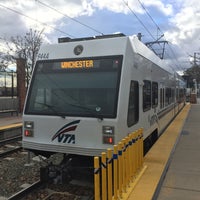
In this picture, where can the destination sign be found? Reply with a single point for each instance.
(77, 64)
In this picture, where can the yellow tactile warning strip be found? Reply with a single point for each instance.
(157, 158)
(11, 126)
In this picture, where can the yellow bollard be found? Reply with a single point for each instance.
(120, 166)
(103, 176)
(134, 154)
(120, 174)
(96, 179)
(124, 164)
(131, 154)
(137, 150)
(115, 178)
(142, 147)
(109, 164)
(130, 158)
(127, 162)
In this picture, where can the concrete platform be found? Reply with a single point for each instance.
(182, 181)
(10, 126)
(8, 120)
(157, 161)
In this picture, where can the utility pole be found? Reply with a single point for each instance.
(150, 44)
(21, 88)
(160, 44)
(196, 58)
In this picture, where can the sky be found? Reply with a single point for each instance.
(174, 21)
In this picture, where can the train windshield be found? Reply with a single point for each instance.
(83, 87)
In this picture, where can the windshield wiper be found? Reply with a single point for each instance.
(52, 108)
(90, 110)
(76, 103)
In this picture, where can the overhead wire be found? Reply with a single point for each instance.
(126, 3)
(71, 18)
(143, 7)
(85, 25)
(162, 34)
(44, 24)
(131, 10)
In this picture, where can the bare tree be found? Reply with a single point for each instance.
(25, 47)
(5, 61)
(191, 74)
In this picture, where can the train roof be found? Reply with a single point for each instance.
(141, 49)
(113, 44)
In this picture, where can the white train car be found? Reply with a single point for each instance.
(87, 94)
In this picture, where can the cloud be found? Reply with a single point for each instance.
(40, 14)
(178, 19)
(11, 23)
(117, 6)
(185, 26)
(121, 6)
(163, 7)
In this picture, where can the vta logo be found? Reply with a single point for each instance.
(61, 133)
(67, 138)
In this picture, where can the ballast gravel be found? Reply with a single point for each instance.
(16, 172)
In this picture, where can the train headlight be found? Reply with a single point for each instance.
(108, 135)
(28, 128)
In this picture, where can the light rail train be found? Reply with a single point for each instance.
(87, 94)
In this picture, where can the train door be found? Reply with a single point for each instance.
(133, 105)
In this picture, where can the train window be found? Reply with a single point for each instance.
(181, 95)
(173, 95)
(168, 96)
(177, 95)
(154, 94)
(86, 87)
(133, 105)
(161, 98)
(146, 95)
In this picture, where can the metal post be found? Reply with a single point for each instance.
(142, 146)
(134, 153)
(137, 151)
(127, 161)
(115, 161)
(120, 168)
(96, 179)
(103, 176)
(124, 165)
(12, 82)
(131, 155)
(109, 155)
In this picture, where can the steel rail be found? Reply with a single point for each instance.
(8, 140)
(26, 191)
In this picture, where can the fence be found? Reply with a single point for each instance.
(115, 170)
(8, 83)
(8, 104)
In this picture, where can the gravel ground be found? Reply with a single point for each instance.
(14, 173)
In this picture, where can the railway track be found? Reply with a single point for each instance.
(76, 189)
(44, 191)
(73, 190)
(10, 151)
(9, 146)
(10, 140)
(21, 194)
